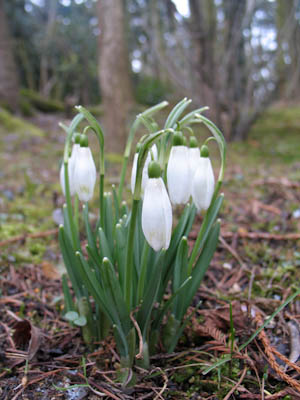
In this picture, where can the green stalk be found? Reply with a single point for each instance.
(142, 277)
(129, 254)
(76, 212)
(133, 129)
(101, 198)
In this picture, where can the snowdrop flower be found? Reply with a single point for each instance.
(157, 210)
(203, 183)
(84, 172)
(178, 172)
(153, 151)
(194, 156)
(71, 167)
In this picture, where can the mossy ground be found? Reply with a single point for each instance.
(258, 198)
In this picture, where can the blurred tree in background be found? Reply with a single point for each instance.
(237, 56)
(9, 84)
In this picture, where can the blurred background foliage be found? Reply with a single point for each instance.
(237, 56)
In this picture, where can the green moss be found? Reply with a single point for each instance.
(41, 103)
(11, 123)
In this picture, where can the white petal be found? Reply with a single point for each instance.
(84, 174)
(145, 170)
(157, 215)
(178, 175)
(133, 172)
(203, 184)
(70, 175)
(194, 157)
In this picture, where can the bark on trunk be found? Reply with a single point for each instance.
(9, 84)
(115, 83)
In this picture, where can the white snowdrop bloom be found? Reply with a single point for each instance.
(194, 157)
(178, 175)
(84, 174)
(145, 169)
(157, 214)
(203, 184)
(71, 166)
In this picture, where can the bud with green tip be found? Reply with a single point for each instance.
(157, 210)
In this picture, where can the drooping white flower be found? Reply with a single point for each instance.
(194, 157)
(71, 166)
(84, 174)
(178, 175)
(157, 214)
(145, 178)
(203, 184)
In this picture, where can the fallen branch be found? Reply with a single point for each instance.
(22, 238)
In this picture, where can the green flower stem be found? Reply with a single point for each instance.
(147, 113)
(101, 199)
(70, 131)
(142, 277)
(76, 212)
(95, 126)
(129, 254)
(126, 157)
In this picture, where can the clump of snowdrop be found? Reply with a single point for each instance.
(134, 256)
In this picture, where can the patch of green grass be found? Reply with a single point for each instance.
(10, 123)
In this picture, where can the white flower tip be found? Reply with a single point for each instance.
(78, 107)
(61, 226)
(118, 225)
(105, 259)
(65, 206)
(77, 253)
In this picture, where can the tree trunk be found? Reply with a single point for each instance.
(115, 83)
(9, 83)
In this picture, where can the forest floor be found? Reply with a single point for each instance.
(255, 269)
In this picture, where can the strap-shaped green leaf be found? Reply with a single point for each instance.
(70, 261)
(186, 120)
(112, 284)
(180, 270)
(201, 265)
(176, 112)
(69, 304)
(158, 319)
(109, 220)
(121, 252)
(90, 235)
(116, 203)
(103, 244)
(149, 299)
(207, 223)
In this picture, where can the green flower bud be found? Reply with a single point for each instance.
(84, 140)
(178, 139)
(193, 142)
(154, 170)
(204, 152)
(77, 138)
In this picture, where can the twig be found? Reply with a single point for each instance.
(231, 251)
(141, 347)
(236, 385)
(25, 236)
